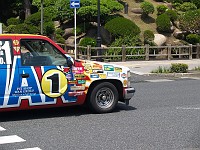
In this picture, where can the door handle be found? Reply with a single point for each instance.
(25, 75)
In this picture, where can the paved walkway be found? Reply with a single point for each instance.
(145, 67)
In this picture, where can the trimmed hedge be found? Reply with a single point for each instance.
(163, 23)
(122, 27)
(148, 37)
(88, 41)
(161, 9)
(193, 38)
(147, 8)
(179, 68)
(13, 21)
(172, 15)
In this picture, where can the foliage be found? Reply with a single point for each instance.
(172, 15)
(35, 19)
(88, 41)
(59, 31)
(161, 9)
(174, 68)
(193, 38)
(190, 21)
(49, 28)
(122, 27)
(148, 37)
(88, 9)
(179, 68)
(161, 69)
(196, 2)
(163, 23)
(23, 29)
(57, 9)
(60, 39)
(13, 21)
(10, 28)
(186, 6)
(147, 8)
(126, 41)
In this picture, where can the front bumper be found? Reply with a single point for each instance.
(129, 93)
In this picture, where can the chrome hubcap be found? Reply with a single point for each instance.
(104, 97)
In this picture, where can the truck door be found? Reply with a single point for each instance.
(9, 77)
(43, 73)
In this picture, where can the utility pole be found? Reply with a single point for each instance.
(42, 16)
(99, 52)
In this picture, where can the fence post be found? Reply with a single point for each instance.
(169, 51)
(147, 52)
(190, 51)
(65, 47)
(89, 52)
(126, 8)
(123, 53)
(198, 50)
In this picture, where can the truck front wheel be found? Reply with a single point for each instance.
(103, 97)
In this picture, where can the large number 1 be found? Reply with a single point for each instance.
(54, 82)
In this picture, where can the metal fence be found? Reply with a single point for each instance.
(146, 52)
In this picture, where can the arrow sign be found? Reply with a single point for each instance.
(74, 3)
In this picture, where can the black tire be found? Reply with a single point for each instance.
(103, 97)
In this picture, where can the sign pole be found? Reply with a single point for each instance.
(75, 33)
(1, 30)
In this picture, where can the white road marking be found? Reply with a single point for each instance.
(2, 129)
(194, 78)
(34, 148)
(159, 80)
(10, 139)
(188, 108)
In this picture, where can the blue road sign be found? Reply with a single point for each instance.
(74, 3)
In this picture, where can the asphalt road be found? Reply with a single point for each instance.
(163, 115)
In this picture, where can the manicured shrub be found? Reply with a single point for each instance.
(13, 21)
(172, 15)
(179, 68)
(147, 8)
(148, 37)
(163, 23)
(193, 38)
(186, 6)
(88, 41)
(122, 27)
(11, 29)
(35, 19)
(161, 9)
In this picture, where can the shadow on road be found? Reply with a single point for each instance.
(54, 112)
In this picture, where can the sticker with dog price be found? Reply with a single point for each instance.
(54, 83)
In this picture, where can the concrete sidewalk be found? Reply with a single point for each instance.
(145, 67)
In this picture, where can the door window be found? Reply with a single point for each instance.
(40, 53)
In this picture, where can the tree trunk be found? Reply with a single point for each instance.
(27, 7)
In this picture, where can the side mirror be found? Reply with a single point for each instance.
(69, 63)
(70, 60)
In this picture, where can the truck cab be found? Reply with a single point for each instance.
(37, 73)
